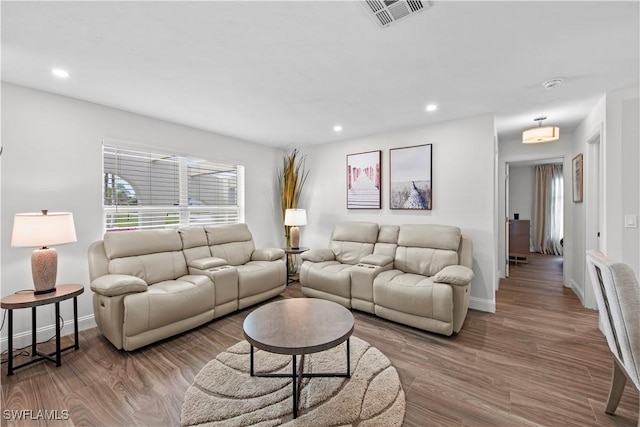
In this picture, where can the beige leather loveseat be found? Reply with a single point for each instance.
(417, 274)
(152, 284)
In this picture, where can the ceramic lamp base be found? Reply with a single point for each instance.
(295, 237)
(44, 268)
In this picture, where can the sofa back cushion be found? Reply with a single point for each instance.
(387, 240)
(232, 242)
(426, 248)
(351, 241)
(152, 255)
(194, 243)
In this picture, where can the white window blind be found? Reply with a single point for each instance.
(143, 190)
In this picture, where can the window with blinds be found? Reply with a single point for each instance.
(144, 190)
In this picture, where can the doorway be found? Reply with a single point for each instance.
(534, 211)
(594, 208)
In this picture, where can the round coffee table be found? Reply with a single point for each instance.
(298, 326)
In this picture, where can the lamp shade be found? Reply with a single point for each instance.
(540, 134)
(43, 229)
(295, 217)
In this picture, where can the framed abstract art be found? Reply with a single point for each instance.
(363, 180)
(410, 177)
(576, 169)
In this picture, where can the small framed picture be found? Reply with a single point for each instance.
(577, 178)
(410, 172)
(363, 180)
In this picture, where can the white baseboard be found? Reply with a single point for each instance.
(577, 290)
(23, 339)
(482, 304)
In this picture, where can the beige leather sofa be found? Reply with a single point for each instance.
(418, 275)
(152, 284)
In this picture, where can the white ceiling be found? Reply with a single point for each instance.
(284, 73)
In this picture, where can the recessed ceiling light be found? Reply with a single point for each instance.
(59, 72)
(432, 107)
(337, 128)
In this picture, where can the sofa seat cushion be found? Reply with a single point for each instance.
(413, 294)
(256, 277)
(331, 277)
(167, 302)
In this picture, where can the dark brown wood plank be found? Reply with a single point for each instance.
(539, 360)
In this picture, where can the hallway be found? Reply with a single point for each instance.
(553, 327)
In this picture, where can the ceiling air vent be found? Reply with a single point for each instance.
(386, 12)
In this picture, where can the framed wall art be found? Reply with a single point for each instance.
(363, 180)
(576, 170)
(410, 173)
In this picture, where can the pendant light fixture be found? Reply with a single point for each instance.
(541, 133)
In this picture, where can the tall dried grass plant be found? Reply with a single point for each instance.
(291, 179)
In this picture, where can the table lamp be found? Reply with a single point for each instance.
(293, 218)
(43, 230)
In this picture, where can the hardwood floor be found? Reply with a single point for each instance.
(539, 360)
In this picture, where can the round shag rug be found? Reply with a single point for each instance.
(223, 393)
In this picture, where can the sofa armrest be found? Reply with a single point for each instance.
(379, 260)
(111, 285)
(207, 263)
(318, 255)
(458, 275)
(267, 254)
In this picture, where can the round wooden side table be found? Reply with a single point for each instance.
(294, 252)
(30, 300)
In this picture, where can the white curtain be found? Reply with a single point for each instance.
(547, 222)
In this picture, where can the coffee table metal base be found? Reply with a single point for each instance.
(297, 375)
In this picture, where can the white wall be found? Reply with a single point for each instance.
(52, 160)
(583, 215)
(631, 173)
(616, 119)
(521, 191)
(621, 176)
(463, 189)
